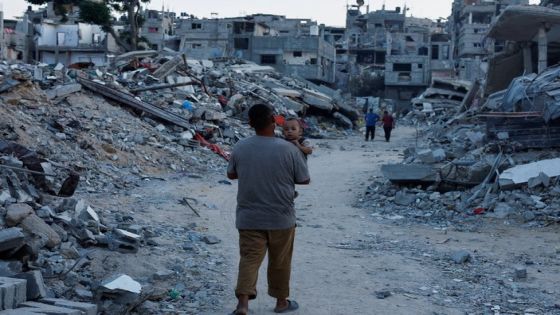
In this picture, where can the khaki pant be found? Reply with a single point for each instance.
(253, 245)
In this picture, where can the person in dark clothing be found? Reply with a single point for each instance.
(371, 121)
(388, 125)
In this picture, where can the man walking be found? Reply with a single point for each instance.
(268, 168)
(371, 121)
(388, 125)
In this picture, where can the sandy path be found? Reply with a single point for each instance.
(408, 260)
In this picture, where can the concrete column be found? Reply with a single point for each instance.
(470, 18)
(527, 58)
(543, 49)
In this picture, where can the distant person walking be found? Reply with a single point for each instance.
(388, 124)
(371, 121)
(268, 168)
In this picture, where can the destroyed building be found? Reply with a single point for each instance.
(158, 29)
(66, 42)
(292, 46)
(398, 47)
(470, 21)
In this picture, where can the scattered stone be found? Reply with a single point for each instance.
(502, 210)
(461, 257)
(520, 273)
(36, 226)
(122, 283)
(382, 294)
(12, 293)
(211, 240)
(35, 284)
(404, 199)
(17, 213)
(11, 238)
(84, 308)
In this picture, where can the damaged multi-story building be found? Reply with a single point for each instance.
(398, 47)
(470, 21)
(292, 46)
(158, 29)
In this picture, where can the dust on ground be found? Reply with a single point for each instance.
(347, 260)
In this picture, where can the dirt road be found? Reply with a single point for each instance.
(346, 258)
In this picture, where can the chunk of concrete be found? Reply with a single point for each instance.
(63, 90)
(36, 226)
(521, 174)
(36, 288)
(85, 308)
(12, 293)
(11, 238)
(9, 268)
(17, 212)
(51, 309)
(501, 211)
(85, 212)
(404, 199)
(461, 257)
(122, 283)
(409, 173)
(429, 156)
(541, 179)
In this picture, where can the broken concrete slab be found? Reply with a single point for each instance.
(17, 212)
(521, 174)
(542, 179)
(461, 257)
(51, 309)
(409, 173)
(85, 308)
(165, 69)
(502, 210)
(36, 226)
(63, 90)
(430, 156)
(317, 100)
(12, 293)
(122, 283)
(10, 268)
(85, 212)
(36, 288)
(404, 199)
(11, 238)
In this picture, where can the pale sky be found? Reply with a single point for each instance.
(329, 12)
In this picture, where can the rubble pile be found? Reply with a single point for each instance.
(495, 160)
(70, 134)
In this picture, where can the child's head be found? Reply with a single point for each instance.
(292, 129)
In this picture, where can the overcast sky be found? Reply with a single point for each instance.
(329, 12)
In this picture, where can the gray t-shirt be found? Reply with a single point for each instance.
(268, 169)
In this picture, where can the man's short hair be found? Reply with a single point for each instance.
(260, 116)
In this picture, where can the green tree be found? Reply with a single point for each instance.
(100, 13)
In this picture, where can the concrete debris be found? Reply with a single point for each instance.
(35, 284)
(122, 283)
(12, 293)
(17, 212)
(84, 308)
(429, 156)
(63, 91)
(522, 174)
(409, 173)
(11, 238)
(461, 257)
